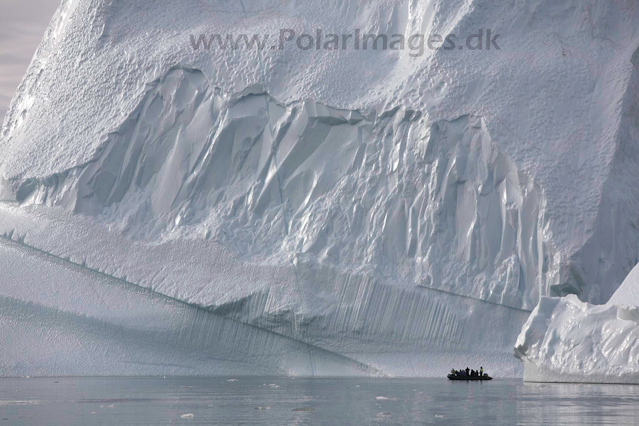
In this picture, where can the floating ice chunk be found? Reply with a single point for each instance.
(19, 402)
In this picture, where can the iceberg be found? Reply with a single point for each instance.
(312, 212)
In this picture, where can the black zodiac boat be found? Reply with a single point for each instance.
(468, 377)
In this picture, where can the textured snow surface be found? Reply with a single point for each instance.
(566, 340)
(401, 212)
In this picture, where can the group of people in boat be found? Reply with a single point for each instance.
(468, 372)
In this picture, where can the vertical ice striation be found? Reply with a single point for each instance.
(78, 322)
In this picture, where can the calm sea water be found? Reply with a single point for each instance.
(286, 401)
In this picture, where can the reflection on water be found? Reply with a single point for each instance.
(278, 401)
(577, 403)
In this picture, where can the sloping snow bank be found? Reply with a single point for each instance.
(566, 340)
(61, 319)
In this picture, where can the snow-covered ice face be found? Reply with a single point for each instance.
(241, 8)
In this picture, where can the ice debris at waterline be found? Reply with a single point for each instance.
(566, 340)
(386, 213)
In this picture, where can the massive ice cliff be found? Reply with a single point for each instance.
(363, 212)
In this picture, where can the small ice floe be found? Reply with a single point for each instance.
(381, 398)
(382, 416)
(306, 409)
(439, 416)
(107, 406)
(93, 413)
(4, 403)
(357, 386)
(232, 380)
(186, 416)
(262, 408)
(272, 385)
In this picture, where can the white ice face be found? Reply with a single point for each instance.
(385, 206)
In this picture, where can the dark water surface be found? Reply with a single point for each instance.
(286, 401)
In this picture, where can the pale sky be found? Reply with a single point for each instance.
(22, 25)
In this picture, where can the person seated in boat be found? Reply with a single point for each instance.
(467, 370)
(481, 371)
